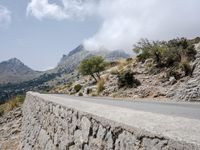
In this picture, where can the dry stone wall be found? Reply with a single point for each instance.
(50, 126)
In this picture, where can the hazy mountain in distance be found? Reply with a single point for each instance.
(14, 71)
(70, 62)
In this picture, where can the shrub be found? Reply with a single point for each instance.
(1, 111)
(93, 94)
(129, 60)
(167, 54)
(111, 64)
(126, 79)
(100, 86)
(80, 94)
(20, 98)
(77, 88)
(114, 72)
(174, 73)
(185, 66)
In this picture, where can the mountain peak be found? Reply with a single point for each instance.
(76, 50)
(14, 61)
(13, 71)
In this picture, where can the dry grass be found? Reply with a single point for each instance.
(11, 104)
(100, 86)
(122, 63)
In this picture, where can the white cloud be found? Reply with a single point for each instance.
(69, 9)
(124, 22)
(127, 21)
(5, 16)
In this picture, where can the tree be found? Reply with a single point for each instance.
(92, 66)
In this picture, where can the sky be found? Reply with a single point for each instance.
(39, 32)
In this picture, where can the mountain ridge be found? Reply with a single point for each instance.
(15, 71)
(75, 56)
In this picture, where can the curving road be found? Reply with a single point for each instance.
(186, 110)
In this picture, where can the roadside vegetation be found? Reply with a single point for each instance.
(12, 104)
(173, 56)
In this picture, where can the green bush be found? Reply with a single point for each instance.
(127, 79)
(80, 94)
(100, 86)
(114, 72)
(77, 88)
(1, 111)
(167, 54)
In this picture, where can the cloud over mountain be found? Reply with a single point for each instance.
(124, 22)
(5, 16)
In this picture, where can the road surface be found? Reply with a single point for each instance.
(186, 110)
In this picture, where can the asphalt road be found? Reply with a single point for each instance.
(186, 110)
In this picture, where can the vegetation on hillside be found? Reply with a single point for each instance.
(175, 54)
(11, 90)
(100, 86)
(92, 66)
(77, 88)
(127, 79)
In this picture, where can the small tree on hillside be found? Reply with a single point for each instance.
(92, 66)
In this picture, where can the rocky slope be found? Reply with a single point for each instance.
(14, 71)
(10, 128)
(190, 89)
(159, 85)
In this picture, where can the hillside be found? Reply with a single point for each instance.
(14, 71)
(166, 79)
(66, 70)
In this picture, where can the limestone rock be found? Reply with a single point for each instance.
(125, 141)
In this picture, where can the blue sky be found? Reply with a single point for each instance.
(41, 44)
(39, 32)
